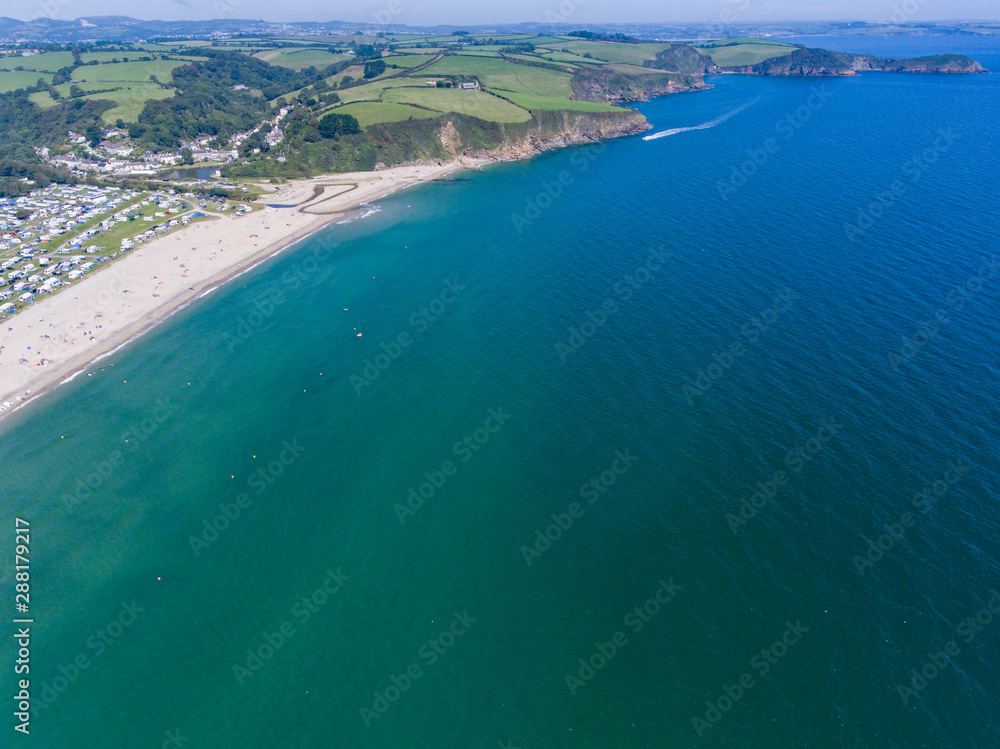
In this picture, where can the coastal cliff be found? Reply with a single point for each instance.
(822, 62)
(451, 135)
(616, 88)
(550, 130)
(931, 64)
(455, 135)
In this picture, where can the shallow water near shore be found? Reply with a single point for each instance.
(742, 379)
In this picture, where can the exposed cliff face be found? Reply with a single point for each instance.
(932, 64)
(802, 61)
(455, 135)
(612, 87)
(556, 130)
(663, 88)
(822, 62)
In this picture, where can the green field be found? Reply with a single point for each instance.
(242, 48)
(473, 103)
(127, 71)
(131, 100)
(546, 40)
(481, 52)
(506, 76)
(538, 102)
(629, 69)
(422, 50)
(297, 59)
(373, 91)
(634, 54)
(130, 97)
(49, 62)
(342, 41)
(11, 80)
(109, 56)
(179, 60)
(408, 38)
(371, 113)
(519, 86)
(87, 88)
(529, 58)
(355, 71)
(43, 99)
(409, 61)
(525, 85)
(303, 41)
(565, 57)
(745, 54)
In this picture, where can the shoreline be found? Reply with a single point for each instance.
(63, 335)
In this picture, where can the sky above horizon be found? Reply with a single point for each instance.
(431, 12)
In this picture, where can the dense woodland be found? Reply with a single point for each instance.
(26, 125)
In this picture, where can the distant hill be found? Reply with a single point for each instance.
(128, 29)
(110, 20)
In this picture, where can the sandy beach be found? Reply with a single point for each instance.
(59, 336)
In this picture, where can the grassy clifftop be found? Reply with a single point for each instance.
(446, 137)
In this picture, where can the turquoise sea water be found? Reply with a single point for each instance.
(616, 346)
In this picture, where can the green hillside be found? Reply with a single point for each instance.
(345, 101)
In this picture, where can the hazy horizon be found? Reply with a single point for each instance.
(446, 12)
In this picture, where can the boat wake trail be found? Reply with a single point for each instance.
(702, 126)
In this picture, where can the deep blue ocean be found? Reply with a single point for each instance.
(680, 442)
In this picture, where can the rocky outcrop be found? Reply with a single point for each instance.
(682, 58)
(657, 86)
(932, 64)
(612, 87)
(822, 62)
